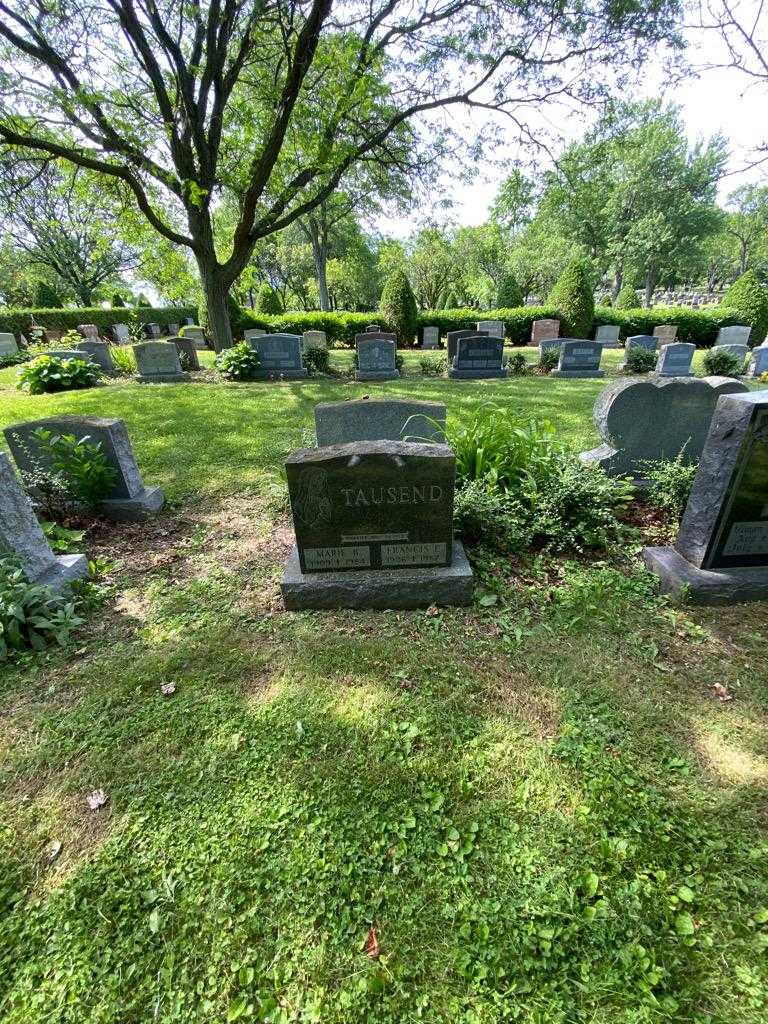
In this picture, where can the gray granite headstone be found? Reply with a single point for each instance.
(646, 341)
(478, 357)
(740, 351)
(21, 535)
(543, 329)
(430, 337)
(152, 331)
(197, 334)
(608, 335)
(253, 332)
(665, 333)
(89, 331)
(379, 419)
(129, 499)
(98, 352)
(187, 350)
(374, 527)
(721, 553)
(736, 335)
(8, 344)
(121, 333)
(550, 345)
(579, 358)
(279, 356)
(758, 364)
(376, 357)
(158, 362)
(313, 339)
(675, 360)
(493, 328)
(454, 337)
(643, 419)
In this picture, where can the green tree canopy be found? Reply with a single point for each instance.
(750, 300)
(574, 300)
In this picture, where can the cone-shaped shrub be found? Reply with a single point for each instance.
(398, 307)
(574, 300)
(47, 297)
(118, 302)
(267, 300)
(627, 298)
(750, 300)
(510, 293)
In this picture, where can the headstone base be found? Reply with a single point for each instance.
(475, 374)
(281, 374)
(67, 568)
(377, 375)
(162, 378)
(702, 586)
(577, 373)
(395, 588)
(135, 509)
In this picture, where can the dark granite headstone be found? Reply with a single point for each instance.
(642, 419)
(374, 527)
(187, 352)
(608, 335)
(544, 329)
(379, 419)
(646, 341)
(376, 357)
(129, 498)
(158, 362)
(279, 356)
(675, 360)
(98, 352)
(121, 333)
(721, 553)
(90, 331)
(454, 337)
(152, 331)
(579, 359)
(430, 337)
(478, 357)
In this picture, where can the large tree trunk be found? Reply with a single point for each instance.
(216, 303)
(320, 256)
(618, 280)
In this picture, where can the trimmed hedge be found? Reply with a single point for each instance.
(699, 326)
(17, 321)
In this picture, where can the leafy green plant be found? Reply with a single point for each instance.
(579, 506)
(14, 358)
(31, 615)
(240, 362)
(316, 359)
(46, 374)
(548, 360)
(485, 515)
(398, 307)
(124, 359)
(639, 360)
(749, 299)
(81, 462)
(627, 298)
(267, 300)
(517, 365)
(719, 362)
(670, 484)
(433, 366)
(61, 539)
(574, 300)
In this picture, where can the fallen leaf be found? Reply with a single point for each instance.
(721, 692)
(97, 799)
(168, 689)
(53, 850)
(371, 947)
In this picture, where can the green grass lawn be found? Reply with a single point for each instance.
(539, 804)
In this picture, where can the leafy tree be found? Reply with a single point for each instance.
(60, 224)
(513, 206)
(627, 298)
(267, 300)
(750, 300)
(748, 223)
(169, 100)
(432, 266)
(574, 300)
(539, 254)
(47, 297)
(398, 307)
(118, 302)
(510, 295)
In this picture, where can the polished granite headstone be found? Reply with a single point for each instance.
(608, 335)
(675, 360)
(8, 344)
(453, 338)
(98, 352)
(152, 331)
(20, 534)
(477, 358)
(430, 337)
(541, 330)
(646, 341)
(493, 328)
(121, 333)
(279, 356)
(158, 362)
(721, 553)
(643, 419)
(735, 335)
(374, 527)
(579, 359)
(379, 419)
(129, 499)
(376, 353)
